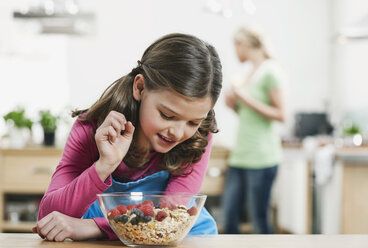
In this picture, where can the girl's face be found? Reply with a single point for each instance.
(168, 118)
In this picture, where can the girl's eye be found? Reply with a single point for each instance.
(193, 124)
(166, 117)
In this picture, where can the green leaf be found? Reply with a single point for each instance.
(19, 119)
(48, 121)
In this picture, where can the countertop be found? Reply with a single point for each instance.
(353, 154)
(348, 154)
(21, 240)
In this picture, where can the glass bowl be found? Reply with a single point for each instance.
(151, 218)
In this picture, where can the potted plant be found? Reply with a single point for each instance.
(48, 122)
(353, 135)
(19, 128)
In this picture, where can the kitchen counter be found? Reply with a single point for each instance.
(21, 240)
(336, 203)
(353, 154)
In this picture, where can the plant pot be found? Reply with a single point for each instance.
(18, 137)
(49, 138)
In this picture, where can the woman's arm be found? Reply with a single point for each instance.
(275, 111)
(230, 99)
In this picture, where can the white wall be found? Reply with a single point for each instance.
(125, 30)
(78, 69)
(33, 69)
(350, 60)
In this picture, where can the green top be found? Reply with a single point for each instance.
(258, 146)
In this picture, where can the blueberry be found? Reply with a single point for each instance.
(141, 218)
(124, 218)
(117, 218)
(147, 219)
(121, 218)
(137, 212)
(134, 221)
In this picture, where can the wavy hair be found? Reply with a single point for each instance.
(178, 62)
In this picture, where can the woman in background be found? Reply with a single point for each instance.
(253, 162)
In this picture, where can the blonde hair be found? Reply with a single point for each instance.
(254, 38)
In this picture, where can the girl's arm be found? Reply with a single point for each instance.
(75, 183)
(85, 168)
(58, 227)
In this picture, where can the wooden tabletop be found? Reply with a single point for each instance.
(21, 240)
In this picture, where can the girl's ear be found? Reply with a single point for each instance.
(138, 87)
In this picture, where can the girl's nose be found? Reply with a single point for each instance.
(176, 131)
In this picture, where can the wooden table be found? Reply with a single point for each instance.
(20, 240)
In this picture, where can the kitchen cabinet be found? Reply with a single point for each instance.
(24, 177)
(292, 193)
(338, 205)
(354, 207)
(214, 181)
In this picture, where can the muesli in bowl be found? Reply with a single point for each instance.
(151, 218)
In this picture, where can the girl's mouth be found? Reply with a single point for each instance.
(166, 141)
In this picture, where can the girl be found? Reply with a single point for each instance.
(253, 161)
(150, 130)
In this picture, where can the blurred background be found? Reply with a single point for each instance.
(58, 55)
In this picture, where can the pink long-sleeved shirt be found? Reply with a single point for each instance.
(75, 183)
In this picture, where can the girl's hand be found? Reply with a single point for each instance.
(111, 143)
(58, 227)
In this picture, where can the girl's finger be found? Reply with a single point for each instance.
(120, 118)
(36, 230)
(129, 130)
(117, 125)
(116, 116)
(44, 231)
(45, 220)
(113, 115)
(61, 236)
(53, 233)
(111, 132)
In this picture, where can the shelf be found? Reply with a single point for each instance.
(17, 227)
(24, 177)
(19, 190)
(32, 151)
(40, 15)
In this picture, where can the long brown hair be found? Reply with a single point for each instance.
(177, 62)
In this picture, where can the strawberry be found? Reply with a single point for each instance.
(122, 208)
(112, 213)
(161, 215)
(147, 209)
(192, 211)
(149, 202)
(139, 205)
(130, 207)
(168, 205)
